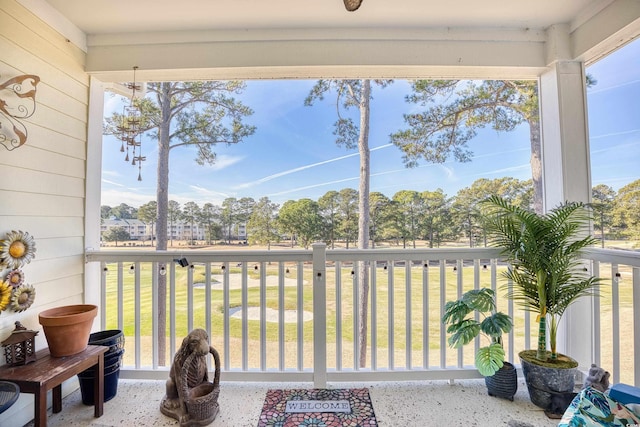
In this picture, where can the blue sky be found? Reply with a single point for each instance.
(293, 155)
(614, 118)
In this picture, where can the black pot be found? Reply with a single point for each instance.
(113, 338)
(504, 383)
(549, 388)
(110, 385)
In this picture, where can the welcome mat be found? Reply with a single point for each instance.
(348, 407)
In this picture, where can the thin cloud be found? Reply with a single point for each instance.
(111, 173)
(293, 190)
(450, 173)
(615, 147)
(301, 168)
(604, 89)
(223, 161)
(381, 147)
(106, 181)
(112, 105)
(624, 180)
(509, 169)
(606, 135)
(115, 197)
(496, 153)
(207, 192)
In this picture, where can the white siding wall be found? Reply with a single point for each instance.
(42, 183)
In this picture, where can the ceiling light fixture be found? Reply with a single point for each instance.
(352, 5)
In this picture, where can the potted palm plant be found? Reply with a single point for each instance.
(548, 275)
(460, 318)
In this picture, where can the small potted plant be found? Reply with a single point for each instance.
(460, 318)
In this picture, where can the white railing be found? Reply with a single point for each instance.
(617, 313)
(257, 308)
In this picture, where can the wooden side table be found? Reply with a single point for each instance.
(48, 373)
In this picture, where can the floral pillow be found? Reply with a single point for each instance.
(591, 407)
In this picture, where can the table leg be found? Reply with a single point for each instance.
(40, 407)
(98, 388)
(56, 397)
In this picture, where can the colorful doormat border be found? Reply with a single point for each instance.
(361, 415)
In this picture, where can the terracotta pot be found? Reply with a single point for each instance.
(67, 328)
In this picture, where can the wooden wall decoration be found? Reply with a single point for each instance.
(17, 102)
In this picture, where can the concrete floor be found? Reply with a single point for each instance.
(402, 404)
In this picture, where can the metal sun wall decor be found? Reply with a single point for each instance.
(17, 102)
(17, 248)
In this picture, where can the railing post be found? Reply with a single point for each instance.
(636, 324)
(155, 303)
(319, 315)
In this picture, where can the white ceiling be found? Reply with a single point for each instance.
(118, 16)
(205, 39)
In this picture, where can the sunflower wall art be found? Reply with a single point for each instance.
(16, 249)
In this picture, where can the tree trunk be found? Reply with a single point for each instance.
(602, 225)
(171, 224)
(333, 232)
(161, 226)
(363, 217)
(536, 163)
(431, 236)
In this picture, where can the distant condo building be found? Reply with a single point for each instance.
(138, 230)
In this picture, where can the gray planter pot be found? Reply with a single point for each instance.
(504, 383)
(549, 388)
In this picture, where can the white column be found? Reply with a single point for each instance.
(93, 176)
(566, 177)
(565, 146)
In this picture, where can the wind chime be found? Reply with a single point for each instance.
(130, 129)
